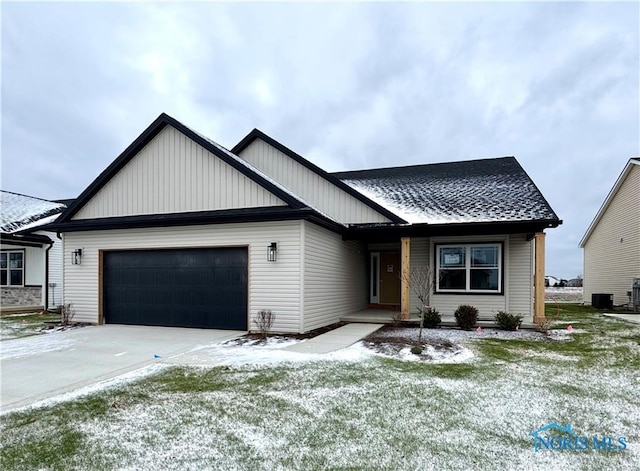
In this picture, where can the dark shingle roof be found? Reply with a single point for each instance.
(19, 212)
(488, 190)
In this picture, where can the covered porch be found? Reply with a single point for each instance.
(517, 274)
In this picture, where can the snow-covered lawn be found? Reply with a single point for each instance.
(23, 325)
(258, 407)
(566, 294)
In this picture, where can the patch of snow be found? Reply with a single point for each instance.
(22, 347)
(40, 222)
(93, 388)
(18, 211)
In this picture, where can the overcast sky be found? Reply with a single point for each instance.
(347, 85)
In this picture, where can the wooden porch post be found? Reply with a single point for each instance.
(405, 291)
(538, 279)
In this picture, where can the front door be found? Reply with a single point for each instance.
(385, 278)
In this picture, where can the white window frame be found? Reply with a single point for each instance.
(8, 269)
(468, 246)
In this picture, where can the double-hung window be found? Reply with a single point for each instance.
(469, 268)
(12, 268)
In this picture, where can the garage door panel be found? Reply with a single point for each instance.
(181, 288)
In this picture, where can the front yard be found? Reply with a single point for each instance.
(15, 326)
(358, 410)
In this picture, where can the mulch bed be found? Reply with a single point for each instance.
(391, 340)
(256, 339)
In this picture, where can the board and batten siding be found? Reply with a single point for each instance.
(173, 174)
(335, 281)
(272, 285)
(517, 297)
(612, 251)
(310, 186)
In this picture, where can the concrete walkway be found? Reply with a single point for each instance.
(336, 339)
(635, 318)
(43, 366)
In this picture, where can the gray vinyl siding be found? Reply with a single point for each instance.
(612, 251)
(517, 296)
(272, 285)
(174, 174)
(520, 276)
(55, 270)
(335, 277)
(310, 186)
(33, 265)
(419, 256)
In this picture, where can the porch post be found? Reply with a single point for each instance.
(405, 291)
(538, 279)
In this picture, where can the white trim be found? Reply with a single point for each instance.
(8, 269)
(468, 268)
(374, 278)
(303, 243)
(608, 199)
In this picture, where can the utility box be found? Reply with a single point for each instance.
(602, 301)
(635, 294)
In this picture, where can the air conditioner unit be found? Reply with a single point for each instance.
(635, 294)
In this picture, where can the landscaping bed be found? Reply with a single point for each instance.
(256, 339)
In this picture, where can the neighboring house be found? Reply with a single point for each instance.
(179, 231)
(30, 258)
(612, 241)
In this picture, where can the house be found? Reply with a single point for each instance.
(612, 241)
(30, 257)
(179, 231)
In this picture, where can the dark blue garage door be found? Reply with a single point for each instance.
(204, 288)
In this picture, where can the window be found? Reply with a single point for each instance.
(11, 268)
(469, 268)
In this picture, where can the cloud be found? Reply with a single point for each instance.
(371, 84)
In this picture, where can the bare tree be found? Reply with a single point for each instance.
(420, 281)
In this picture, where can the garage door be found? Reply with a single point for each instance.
(204, 288)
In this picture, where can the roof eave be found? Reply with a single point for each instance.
(607, 201)
(453, 229)
(257, 134)
(143, 139)
(245, 215)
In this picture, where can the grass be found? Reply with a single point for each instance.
(367, 413)
(24, 325)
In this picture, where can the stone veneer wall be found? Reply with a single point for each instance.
(21, 296)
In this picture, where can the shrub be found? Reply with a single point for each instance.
(264, 321)
(416, 350)
(67, 313)
(431, 318)
(506, 321)
(466, 317)
(396, 318)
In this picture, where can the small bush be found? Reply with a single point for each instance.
(466, 317)
(264, 321)
(396, 318)
(416, 350)
(431, 318)
(506, 321)
(67, 313)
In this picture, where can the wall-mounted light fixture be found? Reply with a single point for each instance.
(272, 252)
(76, 257)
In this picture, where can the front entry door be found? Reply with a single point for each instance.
(385, 278)
(390, 278)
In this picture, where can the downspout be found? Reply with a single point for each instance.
(46, 275)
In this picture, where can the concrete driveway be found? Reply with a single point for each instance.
(43, 366)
